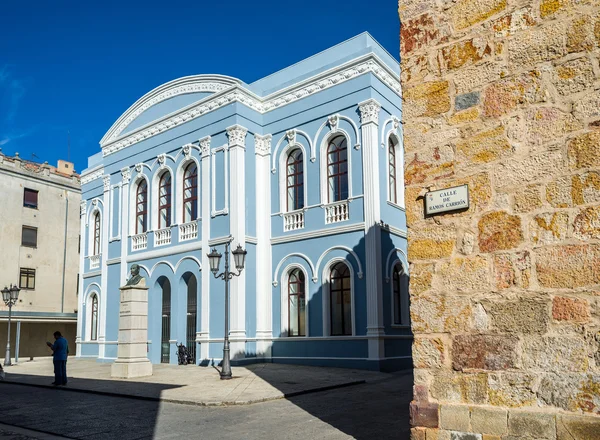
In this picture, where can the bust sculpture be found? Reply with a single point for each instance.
(136, 279)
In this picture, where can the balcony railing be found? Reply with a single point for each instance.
(188, 231)
(293, 220)
(139, 241)
(162, 237)
(337, 212)
(94, 261)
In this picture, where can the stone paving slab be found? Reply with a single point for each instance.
(191, 384)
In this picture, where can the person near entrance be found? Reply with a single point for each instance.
(60, 350)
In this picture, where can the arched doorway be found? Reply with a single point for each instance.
(191, 324)
(165, 349)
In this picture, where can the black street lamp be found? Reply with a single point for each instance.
(239, 257)
(10, 297)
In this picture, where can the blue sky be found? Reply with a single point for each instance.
(76, 66)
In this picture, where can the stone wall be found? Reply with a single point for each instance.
(504, 95)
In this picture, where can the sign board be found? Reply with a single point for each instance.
(449, 199)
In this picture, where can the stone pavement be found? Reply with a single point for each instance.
(191, 384)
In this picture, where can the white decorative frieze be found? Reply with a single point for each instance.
(96, 174)
(205, 146)
(262, 144)
(237, 136)
(106, 182)
(126, 175)
(369, 111)
(360, 66)
(83, 208)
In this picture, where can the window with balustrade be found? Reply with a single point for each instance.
(164, 201)
(96, 245)
(295, 180)
(340, 300)
(337, 169)
(190, 193)
(141, 207)
(296, 301)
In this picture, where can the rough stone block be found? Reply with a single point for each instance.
(538, 45)
(414, 205)
(418, 434)
(568, 266)
(571, 427)
(490, 437)
(499, 231)
(515, 21)
(464, 436)
(428, 352)
(473, 77)
(531, 424)
(480, 190)
(580, 33)
(528, 199)
(573, 76)
(484, 352)
(451, 387)
(466, 100)
(454, 417)
(516, 173)
(427, 99)
(521, 316)
(424, 414)
(466, 13)
(485, 146)
(550, 7)
(464, 53)
(555, 353)
(430, 163)
(431, 243)
(504, 96)
(473, 274)
(437, 434)
(504, 272)
(417, 33)
(547, 124)
(487, 420)
(421, 276)
(549, 227)
(512, 389)
(588, 106)
(585, 188)
(584, 150)
(570, 309)
(587, 224)
(440, 313)
(470, 115)
(571, 391)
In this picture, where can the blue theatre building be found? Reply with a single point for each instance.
(303, 169)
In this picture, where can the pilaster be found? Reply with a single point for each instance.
(80, 336)
(104, 272)
(237, 227)
(205, 276)
(126, 177)
(369, 115)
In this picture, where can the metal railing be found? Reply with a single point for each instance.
(162, 237)
(337, 212)
(139, 241)
(188, 231)
(293, 220)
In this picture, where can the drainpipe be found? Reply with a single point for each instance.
(62, 301)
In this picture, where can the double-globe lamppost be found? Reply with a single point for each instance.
(239, 257)
(10, 297)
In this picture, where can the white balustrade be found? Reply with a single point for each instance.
(162, 237)
(337, 212)
(293, 220)
(94, 261)
(139, 241)
(188, 231)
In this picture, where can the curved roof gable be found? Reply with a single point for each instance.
(187, 85)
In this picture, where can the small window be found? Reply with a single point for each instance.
(29, 236)
(27, 279)
(30, 198)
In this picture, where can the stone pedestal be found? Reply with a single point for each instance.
(132, 355)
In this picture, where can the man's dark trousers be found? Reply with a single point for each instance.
(60, 372)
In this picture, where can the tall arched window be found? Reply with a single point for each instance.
(295, 180)
(96, 234)
(340, 297)
(164, 201)
(337, 169)
(296, 303)
(397, 292)
(141, 208)
(94, 318)
(393, 189)
(190, 193)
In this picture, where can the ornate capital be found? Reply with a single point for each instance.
(205, 146)
(126, 175)
(237, 136)
(291, 136)
(82, 208)
(106, 182)
(369, 111)
(333, 122)
(262, 144)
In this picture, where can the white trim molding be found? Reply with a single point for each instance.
(214, 211)
(92, 174)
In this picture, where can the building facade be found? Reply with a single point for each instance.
(303, 169)
(39, 232)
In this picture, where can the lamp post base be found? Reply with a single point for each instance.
(226, 367)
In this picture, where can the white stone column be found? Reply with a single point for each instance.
(369, 115)
(206, 274)
(106, 213)
(264, 324)
(237, 228)
(126, 176)
(82, 252)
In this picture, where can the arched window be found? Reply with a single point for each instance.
(190, 193)
(141, 208)
(94, 318)
(295, 180)
(96, 234)
(164, 201)
(396, 286)
(337, 169)
(296, 303)
(393, 189)
(340, 300)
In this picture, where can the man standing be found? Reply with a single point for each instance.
(61, 350)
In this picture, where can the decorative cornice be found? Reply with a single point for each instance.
(95, 174)
(205, 146)
(360, 66)
(83, 208)
(106, 182)
(237, 136)
(262, 144)
(369, 111)
(126, 175)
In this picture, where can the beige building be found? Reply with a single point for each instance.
(39, 237)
